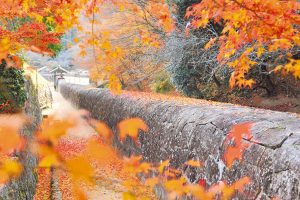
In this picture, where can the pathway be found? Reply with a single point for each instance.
(108, 187)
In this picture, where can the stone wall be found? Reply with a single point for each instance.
(24, 187)
(183, 129)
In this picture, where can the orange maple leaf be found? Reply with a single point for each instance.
(236, 143)
(102, 154)
(9, 169)
(52, 129)
(102, 129)
(227, 191)
(9, 132)
(80, 169)
(134, 165)
(131, 127)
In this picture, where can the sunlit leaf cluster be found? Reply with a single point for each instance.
(250, 27)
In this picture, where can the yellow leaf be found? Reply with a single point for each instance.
(163, 165)
(100, 153)
(132, 163)
(114, 84)
(106, 45)
(76, 40)
(39, 18)
(102, 129)
(80, 169)
(144, 168)
(210, 43)
(108, 68)
(296, 40)
(229, 190)
(9, 169)
(49, 161)
(121, 7)
(295, 69)
(3, 177)
(27, 4)
(12, 167)
(50, 20)
(9, 132)
(176, 185)
(249, 83)
(82, 53)
(260, 51)
(248, 50)
(128, 196)
(136, 40)
(52, 129)
(152, 181)
(199, 192)
(278, 68)
(194, 163)
(131, 127)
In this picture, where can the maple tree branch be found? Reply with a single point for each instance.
(253, 11)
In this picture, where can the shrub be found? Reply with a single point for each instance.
(12, 89)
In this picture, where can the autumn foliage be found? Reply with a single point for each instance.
(122, 34)
(250, 29)
(113, 32)
(10, 168)
(24, 24)
(79, 163)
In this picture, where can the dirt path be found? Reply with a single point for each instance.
(62, 108)
(108, 188)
